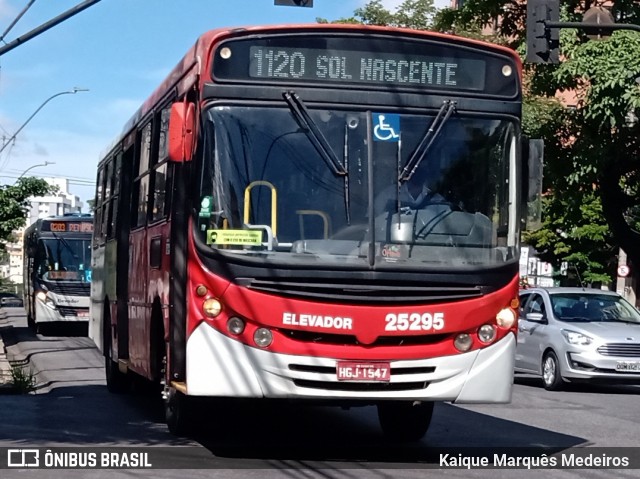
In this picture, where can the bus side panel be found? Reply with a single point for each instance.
(27, 273)
(120, 266)
(139, 309)
(157, 293)
(109, 294)
(98, 273)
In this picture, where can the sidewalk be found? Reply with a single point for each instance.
(5, 368)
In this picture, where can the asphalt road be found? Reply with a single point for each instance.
(71, 407)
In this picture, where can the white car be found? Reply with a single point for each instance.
(571, 334)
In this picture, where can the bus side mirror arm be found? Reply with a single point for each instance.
(532, 171)
(181, 131)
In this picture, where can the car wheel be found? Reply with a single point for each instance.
(551, 374)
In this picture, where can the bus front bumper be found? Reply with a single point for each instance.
(219, 366)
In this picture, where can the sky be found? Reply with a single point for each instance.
(119, 50)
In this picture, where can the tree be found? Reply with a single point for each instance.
(417, 14)
(591, 152)
(14, 203)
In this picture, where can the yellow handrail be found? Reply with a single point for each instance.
(274, 202)
(325, 220)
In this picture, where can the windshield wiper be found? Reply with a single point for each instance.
(304, 120)
(320, 143)
(66, 244)
(445, 112)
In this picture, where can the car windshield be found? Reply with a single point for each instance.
(297, 185)
(578, 307)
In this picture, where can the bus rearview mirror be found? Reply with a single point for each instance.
(181, 131)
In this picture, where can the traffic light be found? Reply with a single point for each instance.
(542, 41)
(294, 3)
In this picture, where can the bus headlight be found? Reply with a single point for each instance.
(463, 342)
(506, 318)
(235, 325)
(44, 297)
(211, 307)
(487, 333)
(263, 337)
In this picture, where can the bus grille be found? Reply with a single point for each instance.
(627, 350)
(69, 289)
(362, 292)
(65, 311)
(360, 387)
(332, 370)
(350, 340)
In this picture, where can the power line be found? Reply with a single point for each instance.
(80, 178)
(71, 181)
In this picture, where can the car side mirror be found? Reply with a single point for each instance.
(535, 317)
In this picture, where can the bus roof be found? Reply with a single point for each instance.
(66, 218)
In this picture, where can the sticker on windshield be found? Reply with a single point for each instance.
(386, 127)
(235, 237)
(394, 252)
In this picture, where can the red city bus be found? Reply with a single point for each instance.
(259, 232)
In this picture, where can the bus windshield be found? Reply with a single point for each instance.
(333, 187)
(64, 259)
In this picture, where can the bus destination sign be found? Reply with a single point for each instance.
(366, 67)
(369, 62)
(68, 226)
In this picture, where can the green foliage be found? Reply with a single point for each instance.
(23, 379)
(576, 233)
(417, 14)
(607, 70)
(497, 21)
(14, 203)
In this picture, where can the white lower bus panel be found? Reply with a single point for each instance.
(222, 367)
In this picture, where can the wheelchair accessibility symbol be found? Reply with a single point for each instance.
(386, 127)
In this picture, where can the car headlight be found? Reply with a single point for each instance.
(576, 338)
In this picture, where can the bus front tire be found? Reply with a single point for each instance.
(177, 414)
(405, 420)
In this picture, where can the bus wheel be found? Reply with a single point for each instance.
(117, 381)
(176, 413)
(405, 420)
